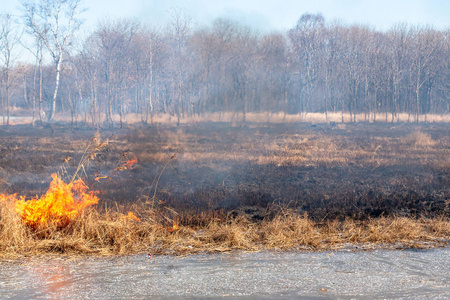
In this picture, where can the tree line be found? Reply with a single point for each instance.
(124, 67)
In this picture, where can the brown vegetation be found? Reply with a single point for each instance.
(111, 232)
(249, 186)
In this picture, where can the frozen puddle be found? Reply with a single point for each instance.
(379, 274)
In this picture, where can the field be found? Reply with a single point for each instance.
(217, 186)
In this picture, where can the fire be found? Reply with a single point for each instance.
(131, 217)
(174, 226)
(127, 165)
(3, 197)
(61, 203)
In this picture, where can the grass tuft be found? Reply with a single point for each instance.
(110, 233)
(420, 139)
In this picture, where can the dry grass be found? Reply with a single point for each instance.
(112, 233)
(14, 235)
(342, 175)
(265, 117)
(420, 139)
(370, 169)
(336, 146)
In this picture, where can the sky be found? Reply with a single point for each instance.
(266, 15)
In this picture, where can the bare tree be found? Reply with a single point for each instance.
(38, 52)
(54, 22)
(123, 67)
(112, 43)
(306, 48)
(146, 51)
(9, 39)
(181, 26)
(87, 64)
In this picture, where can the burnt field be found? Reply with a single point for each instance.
(330, 171)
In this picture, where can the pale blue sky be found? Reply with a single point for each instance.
(269, 14)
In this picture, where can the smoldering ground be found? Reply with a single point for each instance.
(356, 170)
(204, 172)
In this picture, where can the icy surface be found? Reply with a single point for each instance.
(379, 274)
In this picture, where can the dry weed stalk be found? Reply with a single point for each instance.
(89, 153)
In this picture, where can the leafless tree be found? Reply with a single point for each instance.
(37, 50)
(124, 67)
(181, 26)
(54, 22)
(306, 48)
(9, 40)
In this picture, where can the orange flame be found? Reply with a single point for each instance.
(61, 203)
(3, 197)
(127, 165)
(131, 216)
(174, 226)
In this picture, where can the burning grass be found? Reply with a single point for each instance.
(61, 204)
(372, 185)
(114, 233)
(66, 221)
